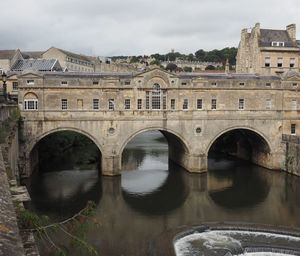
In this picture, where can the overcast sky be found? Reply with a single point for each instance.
(137, 27)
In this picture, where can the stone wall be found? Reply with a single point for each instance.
(5, 111)
(292, 153)
(10, 240)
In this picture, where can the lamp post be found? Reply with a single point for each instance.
(4, 76)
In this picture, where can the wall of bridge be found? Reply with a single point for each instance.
(186, 147)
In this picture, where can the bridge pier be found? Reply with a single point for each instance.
(111, 165)
(191, 162)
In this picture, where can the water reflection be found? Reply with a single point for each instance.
(62, 194)
(238, 184)
(150, 185)
(153, 198)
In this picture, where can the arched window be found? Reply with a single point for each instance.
(30, 101)
(156, 96)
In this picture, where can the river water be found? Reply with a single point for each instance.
(154, 198)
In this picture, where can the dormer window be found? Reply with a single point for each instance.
(30, 82)
(278, 44)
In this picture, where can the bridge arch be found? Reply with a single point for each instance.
(31, 150)
(260, 145)
(41, 136)
(164, 131)
(178, 147)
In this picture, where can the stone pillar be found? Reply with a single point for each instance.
(111, 165)
(191, 162)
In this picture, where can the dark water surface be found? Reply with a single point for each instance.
(153, 197)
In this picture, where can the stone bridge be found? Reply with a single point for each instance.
(191, 110)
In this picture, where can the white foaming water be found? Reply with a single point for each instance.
(213, 240)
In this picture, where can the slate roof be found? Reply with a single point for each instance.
(7, 54)
(33, 54)
(36, 64)
(186, 75)
(74, 55)
(123, 75)
(267, 36)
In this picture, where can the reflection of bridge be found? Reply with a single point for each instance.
(191, 110)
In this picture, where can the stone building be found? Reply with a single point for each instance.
(71, 61)
(195, 65)
(8, 58)
(268, 51)
(191, 109)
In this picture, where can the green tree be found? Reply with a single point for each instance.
(200, 54)
(171, 67)
(187, 69)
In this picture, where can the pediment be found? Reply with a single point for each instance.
(156, 72)
(30, 75)
(155, 75)
(291, 78)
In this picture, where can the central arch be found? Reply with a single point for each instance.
(245, 143)
(178, 147)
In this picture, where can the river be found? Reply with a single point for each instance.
(154, 199)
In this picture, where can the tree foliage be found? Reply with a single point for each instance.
(75, 228)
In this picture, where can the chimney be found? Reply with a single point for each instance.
(227, 66)
(291, 29)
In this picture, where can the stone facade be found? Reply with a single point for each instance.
(195, 65)
(192, 110)
(267, 51)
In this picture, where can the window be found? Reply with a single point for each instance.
(268, 84)
(147, 100)
(277, 44)
(30, 82)
(185, 104)
(172, 103)
(268, 104)
(279, 62)
(64, 104)
(241, 104)
(213, 104)
(183, 83)
(214, 84)
(1, 71)
(15, 86)
(156, 96)
(267, 61)
(164, 99)
(64, 83)
(294, 104)
(127, 82)
(139, 104)
(242, 84)
(111, 104)
(199, 103)
(292, 62)
(30, 104)
(294, 84)
(95, 82)
(95, 103)
(127, 103)
(293, 128)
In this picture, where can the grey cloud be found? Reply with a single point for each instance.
(130, 27)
